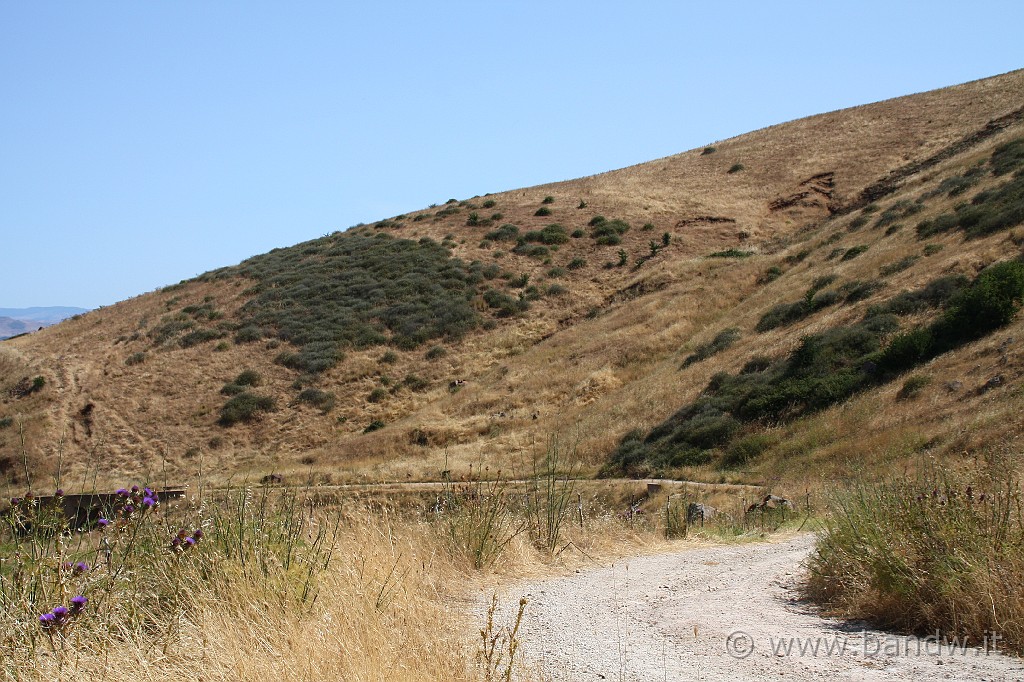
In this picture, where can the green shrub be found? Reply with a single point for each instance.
(231, 389)
(322, 400)
(548, 200)
(770, 275)
(576, 263)
(799, 257)
(1008, 157)
(531, 250)
(557, 290)
(248, 334)
(436, 352)
(785, 314)
(858, 290)
(557, 272)
(245, 407)
(932, 249)
(578, 233)
(898, 266)
(135, 359)
(707, 150)
(490, 203)
(736, 168)
(552, 234)
(506, 233)
(415, 383)
(857, 223)
(6, 422)
(377, 395)
(731, 253)
(357, 290)
(993, 210)
(745, 450)
(723, 340)
(647, 227)
(608, 232)
(375, 425)
(503, 304)
(913, 386)
(389, 357)
(542, 211)
(249, 377)
(855, 251)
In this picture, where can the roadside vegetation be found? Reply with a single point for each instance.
(940, 551)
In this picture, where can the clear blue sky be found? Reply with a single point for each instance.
(142, 143)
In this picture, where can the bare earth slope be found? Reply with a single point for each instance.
(719, 613)
(599, 350)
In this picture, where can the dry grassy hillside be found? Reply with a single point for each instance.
(135, 389)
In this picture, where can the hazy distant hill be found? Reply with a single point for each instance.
(11, 327)
(14, 321)
(729, 313)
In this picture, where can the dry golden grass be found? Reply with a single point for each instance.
(393, 603)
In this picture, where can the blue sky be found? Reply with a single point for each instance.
(142, 143)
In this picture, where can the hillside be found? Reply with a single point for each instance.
(467, 333)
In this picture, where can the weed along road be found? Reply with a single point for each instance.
(725, 612)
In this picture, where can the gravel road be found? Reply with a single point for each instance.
(718, 613)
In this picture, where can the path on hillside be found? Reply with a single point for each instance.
(670, 617)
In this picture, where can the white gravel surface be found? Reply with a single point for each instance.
(718, 613)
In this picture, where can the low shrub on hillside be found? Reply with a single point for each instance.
(825, 369)
(731, 253)
(552, 234)
(721, 342)
(898, 266)
(135, 359)
(506, 233)
(608, 232)
(318, 398)
(992, 210)
(357, 290)
(245, 407)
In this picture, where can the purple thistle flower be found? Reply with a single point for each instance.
(198, 535)
(148, 492)
(47, 620)
(135, 488)
(80, 568)
(78, 604)
(15, 501)
(175, 543)
(122, 492)
(128, 509)
(148, 502)
(190, 542)
(60, 614)
(59, 492)
(103, 523)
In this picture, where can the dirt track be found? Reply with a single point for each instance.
(718, 613)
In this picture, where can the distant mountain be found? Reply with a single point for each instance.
(11, 327)
(48, 314)
(14, 321)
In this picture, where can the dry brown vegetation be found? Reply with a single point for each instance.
(591, 364)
